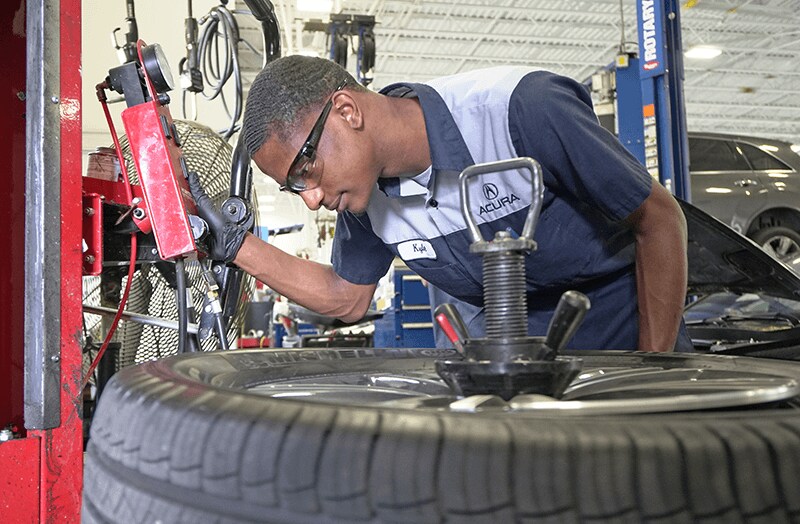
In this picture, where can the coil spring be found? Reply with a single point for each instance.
(504, 294)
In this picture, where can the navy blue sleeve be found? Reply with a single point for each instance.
(551, 120)
(358, 255)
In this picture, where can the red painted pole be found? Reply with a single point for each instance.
(43, 469)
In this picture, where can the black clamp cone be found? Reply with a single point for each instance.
(508, 362)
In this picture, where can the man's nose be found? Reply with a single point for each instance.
(313, 198)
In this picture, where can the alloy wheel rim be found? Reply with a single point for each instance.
(597, 391)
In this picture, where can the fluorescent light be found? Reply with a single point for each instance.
(769, 148)
(317, 6)
(795, 148)
(719, 190)
(703, 52)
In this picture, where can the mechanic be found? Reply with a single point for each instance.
(388, 163)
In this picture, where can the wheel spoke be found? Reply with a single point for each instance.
(655, 379)
(785, 246)
(758, 394)
(477, 403)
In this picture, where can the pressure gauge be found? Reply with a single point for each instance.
(157, 68)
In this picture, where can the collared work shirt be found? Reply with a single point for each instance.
(591, 184)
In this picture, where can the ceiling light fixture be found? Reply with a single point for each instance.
(703, 52)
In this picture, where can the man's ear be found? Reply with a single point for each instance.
(348, 109)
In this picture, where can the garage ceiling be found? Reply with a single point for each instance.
(752, 88)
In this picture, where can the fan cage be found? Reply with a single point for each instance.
(207, 153)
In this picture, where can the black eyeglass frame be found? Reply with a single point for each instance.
(309, 148)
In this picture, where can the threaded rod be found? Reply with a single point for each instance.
(504, 294)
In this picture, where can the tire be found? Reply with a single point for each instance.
(780, 242)
(184, 440)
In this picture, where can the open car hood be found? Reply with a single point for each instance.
(720, 259)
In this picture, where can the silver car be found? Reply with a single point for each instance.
(752, 185)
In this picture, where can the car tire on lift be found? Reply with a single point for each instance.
(780, 242)
(180, 440)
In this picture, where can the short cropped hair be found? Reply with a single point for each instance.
(284, 91)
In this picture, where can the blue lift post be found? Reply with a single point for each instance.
(651, 113)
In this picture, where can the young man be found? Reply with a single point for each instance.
(389, 162)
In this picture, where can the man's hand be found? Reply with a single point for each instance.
(226, 236)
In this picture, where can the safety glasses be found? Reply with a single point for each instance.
(302, 176)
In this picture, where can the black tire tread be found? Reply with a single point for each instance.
(180, 452)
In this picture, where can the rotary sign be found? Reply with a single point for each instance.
(651, 37)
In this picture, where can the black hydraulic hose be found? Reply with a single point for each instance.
(219, 64)
(222, 332)
(183, 315)
(264, 12)
(230, 292)
(241, 190)
(217, 74)
(189, 66)
(191, 32)
(241, 172)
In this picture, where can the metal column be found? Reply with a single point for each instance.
(61, 472)
(43, 462)
(651, 109)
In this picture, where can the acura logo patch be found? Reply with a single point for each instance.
(495, 202)
(490, 191)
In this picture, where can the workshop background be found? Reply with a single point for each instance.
(751, 87)
(741, 76)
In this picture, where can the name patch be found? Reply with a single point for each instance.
(416, 249)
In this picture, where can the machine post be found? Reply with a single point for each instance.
(41, 452)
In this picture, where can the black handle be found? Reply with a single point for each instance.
(568, 316)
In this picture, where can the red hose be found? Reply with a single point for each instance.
(101, 96)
